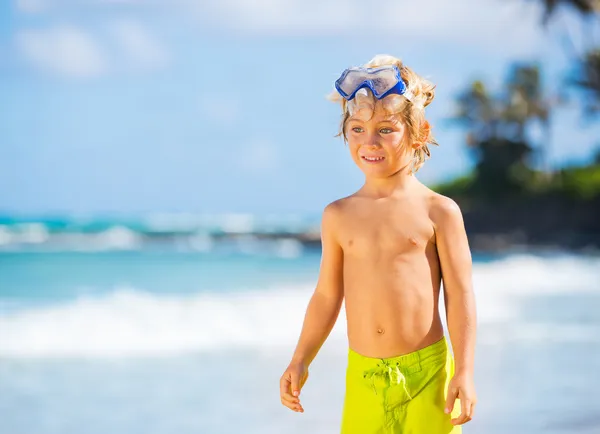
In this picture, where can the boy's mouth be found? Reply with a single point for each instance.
(372, 159)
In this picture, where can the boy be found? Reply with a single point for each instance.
(385, 249)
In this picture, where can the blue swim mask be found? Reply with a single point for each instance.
(382, 81)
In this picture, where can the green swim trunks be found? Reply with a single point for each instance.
(404, 394)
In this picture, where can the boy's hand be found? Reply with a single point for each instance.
(462, 387)
(290, 384)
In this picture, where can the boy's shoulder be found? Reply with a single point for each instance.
(442, 209)
(342, 204)
(333, 211)
(334, 208)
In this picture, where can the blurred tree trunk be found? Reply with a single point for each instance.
(496, 131)
(583, 7)
(587, 71)
(588, 79)
(527, 102)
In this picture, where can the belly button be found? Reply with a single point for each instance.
(380, 331)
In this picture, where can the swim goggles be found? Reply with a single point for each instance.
(382, 81)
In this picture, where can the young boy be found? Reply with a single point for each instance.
(385, 250)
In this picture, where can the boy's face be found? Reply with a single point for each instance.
(379, 145)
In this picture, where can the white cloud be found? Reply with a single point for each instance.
(138, 46)
(63, 50)
(258, 156)
(512, 27)
(223, 110)
(37, 6)
(32, 6)
(509, 27)
(70, 51)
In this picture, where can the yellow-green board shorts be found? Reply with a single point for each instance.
(404, 394)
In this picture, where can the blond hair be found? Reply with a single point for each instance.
(412, 111)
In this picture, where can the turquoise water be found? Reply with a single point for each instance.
(151, 340)
(53, 277)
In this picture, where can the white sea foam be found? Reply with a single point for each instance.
(501, 285)
(131, 322)
(27, 233)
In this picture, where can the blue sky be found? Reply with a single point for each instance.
(124, 106)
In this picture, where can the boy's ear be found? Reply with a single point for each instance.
(425, 131)
(423, 134)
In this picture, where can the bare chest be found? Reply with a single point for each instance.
(378, 234)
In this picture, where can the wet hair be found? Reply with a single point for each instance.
(411, 112)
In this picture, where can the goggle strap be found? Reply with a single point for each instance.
(417, 102)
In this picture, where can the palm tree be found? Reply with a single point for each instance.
(587, 71)
(587, 77)
(477, 110)
(526, 102)
(583, 7)
(496, 129)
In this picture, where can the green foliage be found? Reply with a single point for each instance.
(581, 183)
(496, 127)
(458, 187)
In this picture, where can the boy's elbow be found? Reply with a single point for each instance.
(458, 291)
(333, 294)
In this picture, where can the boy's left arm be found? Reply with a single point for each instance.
(456, 264)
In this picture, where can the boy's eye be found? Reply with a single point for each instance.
(386, 130)
(357, 129)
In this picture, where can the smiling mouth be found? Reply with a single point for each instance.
(372, 159)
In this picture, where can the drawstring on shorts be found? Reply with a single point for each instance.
(388, 371)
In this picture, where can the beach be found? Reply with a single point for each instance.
(145, 340)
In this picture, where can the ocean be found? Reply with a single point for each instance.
(105, 329)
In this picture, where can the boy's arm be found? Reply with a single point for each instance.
(326, 301)
(455, 261)
(456, 265)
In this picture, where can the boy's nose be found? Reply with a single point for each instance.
(372, 141)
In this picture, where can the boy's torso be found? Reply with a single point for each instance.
(391, 273)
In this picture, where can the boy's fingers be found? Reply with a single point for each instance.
(284, 391)
(465, 414)
(289, 398)
(459, 420)
(295, 385)
(284, 385)
(289, 390)
(292, 405)
(452, 394)
(466, 408)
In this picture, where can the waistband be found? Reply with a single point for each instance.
(410, 360)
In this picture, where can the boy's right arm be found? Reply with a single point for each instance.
(321, 313)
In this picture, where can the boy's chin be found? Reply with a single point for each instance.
(381, 171)
(376, 172)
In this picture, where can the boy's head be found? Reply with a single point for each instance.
(386, 131)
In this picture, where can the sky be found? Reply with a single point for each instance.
(131, 106)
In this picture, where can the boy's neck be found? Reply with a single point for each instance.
(398, 184)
